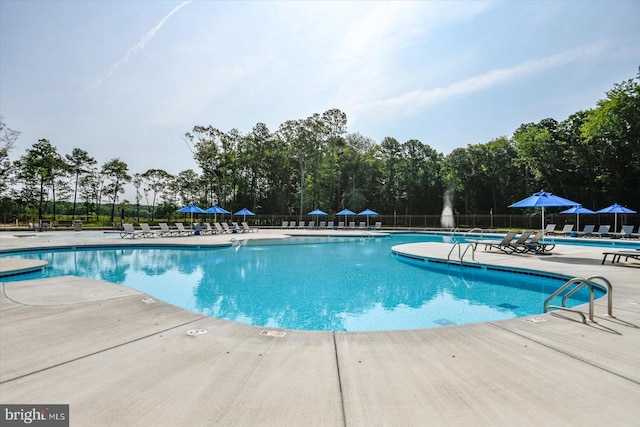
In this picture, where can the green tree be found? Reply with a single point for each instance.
(156, 181)
(80, 163)
(613, 129)
(115, 170)
(8, 138)
(40, 166)
(390, 152)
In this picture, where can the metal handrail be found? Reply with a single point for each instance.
(473, 252)
(473, 230)
(451, 250)
(575, 280)
(589, 279)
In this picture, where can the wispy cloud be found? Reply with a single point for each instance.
(138, 46)
(413, 101)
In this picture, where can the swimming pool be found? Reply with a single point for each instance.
(311, 283)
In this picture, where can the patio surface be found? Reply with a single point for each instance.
(121, 357)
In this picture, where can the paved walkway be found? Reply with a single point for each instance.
(120, 357)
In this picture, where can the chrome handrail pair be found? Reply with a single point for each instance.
(580, 283)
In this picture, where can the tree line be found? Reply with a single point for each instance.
(592, 157)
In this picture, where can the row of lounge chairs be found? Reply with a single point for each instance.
(589, 231)
(328, 225)
(145, 231)
(526, 242)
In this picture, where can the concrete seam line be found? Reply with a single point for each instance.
(573, 356)
(97, 352)
(335, 351)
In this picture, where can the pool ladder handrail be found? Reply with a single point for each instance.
(579, 284)
(462, 253)
(473, 230)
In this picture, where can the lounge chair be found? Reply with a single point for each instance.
(587, 230)
(340, 225)
(352, 225)
(235, 228)
(312, 225)
(285, 224)
(537, 245)
(129, 231)
(218, 228)
(301, 224)
(550, 229)
(147, 231)
(616, 255)
(181, 230)
(330, 225)
(504, 245)
(247, 229)
(378, 225)
(292, 224)
(566, 230)
(603, 231)
(362, 225)
(520, 244)
(626, 232)
(322, 225)
(225, 228)
(207, 229)
(165, 231)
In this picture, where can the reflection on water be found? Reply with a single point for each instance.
(340, 285)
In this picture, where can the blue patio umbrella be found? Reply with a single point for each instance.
(244, 212)
(578, 210)
(345, 212)
(317, 213)
(543, 199)
(616, 209)
(368, 213)
(191, 208)
(215, 210)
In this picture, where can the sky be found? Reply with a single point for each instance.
(128, 79)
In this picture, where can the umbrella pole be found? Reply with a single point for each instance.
(542, 221)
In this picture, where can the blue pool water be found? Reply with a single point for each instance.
(338, 284)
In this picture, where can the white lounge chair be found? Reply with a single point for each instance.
(285, 224)
(147, 231)
(322, 225)
(301, 224)
(567, 229)
(225, 227)
(340, 225)
(247, 229)
(550, 229)
(292, 224)
(330, 225)
(587, 230)
(352, 225)
(207, 229)
(181, 230)
(603, 231)
(165, 231)
(378, 225)
(627, 232)
(312, 225)
(504, 245)
(129, 231)
(218, 228)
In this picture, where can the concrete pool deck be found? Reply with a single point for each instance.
(120, 357)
